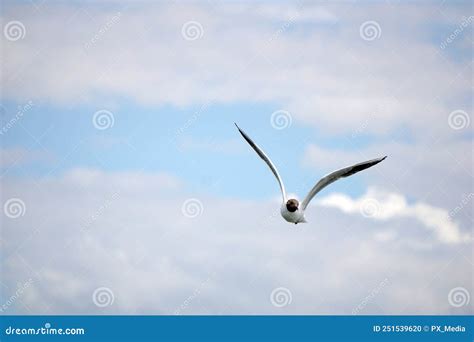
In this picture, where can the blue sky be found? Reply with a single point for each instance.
(144, 138)
(317, 86)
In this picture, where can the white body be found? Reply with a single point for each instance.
(293, 217)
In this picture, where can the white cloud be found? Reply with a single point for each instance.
(127, 232)
(12, 156)
(439, 172)
(382, 205)
(308, 59)
(129, 181)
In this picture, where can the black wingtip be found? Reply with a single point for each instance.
(241, 132)
(380, 160)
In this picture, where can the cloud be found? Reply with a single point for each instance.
(129, 233)
(437, 171)
(12, 156)
(129, 181)
(136, 234)
(382, 205)
(328, 76)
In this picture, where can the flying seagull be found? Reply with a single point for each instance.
(291, 210)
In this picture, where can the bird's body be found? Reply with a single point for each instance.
(291, 210)
(292, 217)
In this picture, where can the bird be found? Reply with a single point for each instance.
(291, 209)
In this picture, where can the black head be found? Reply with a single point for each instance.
(292, 205)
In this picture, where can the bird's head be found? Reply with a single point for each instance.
(292, 205)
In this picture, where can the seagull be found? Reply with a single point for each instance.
(291, 210)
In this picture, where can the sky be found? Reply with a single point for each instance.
(126, 188)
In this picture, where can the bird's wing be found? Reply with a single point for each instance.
(266, 160)
(334, 176)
